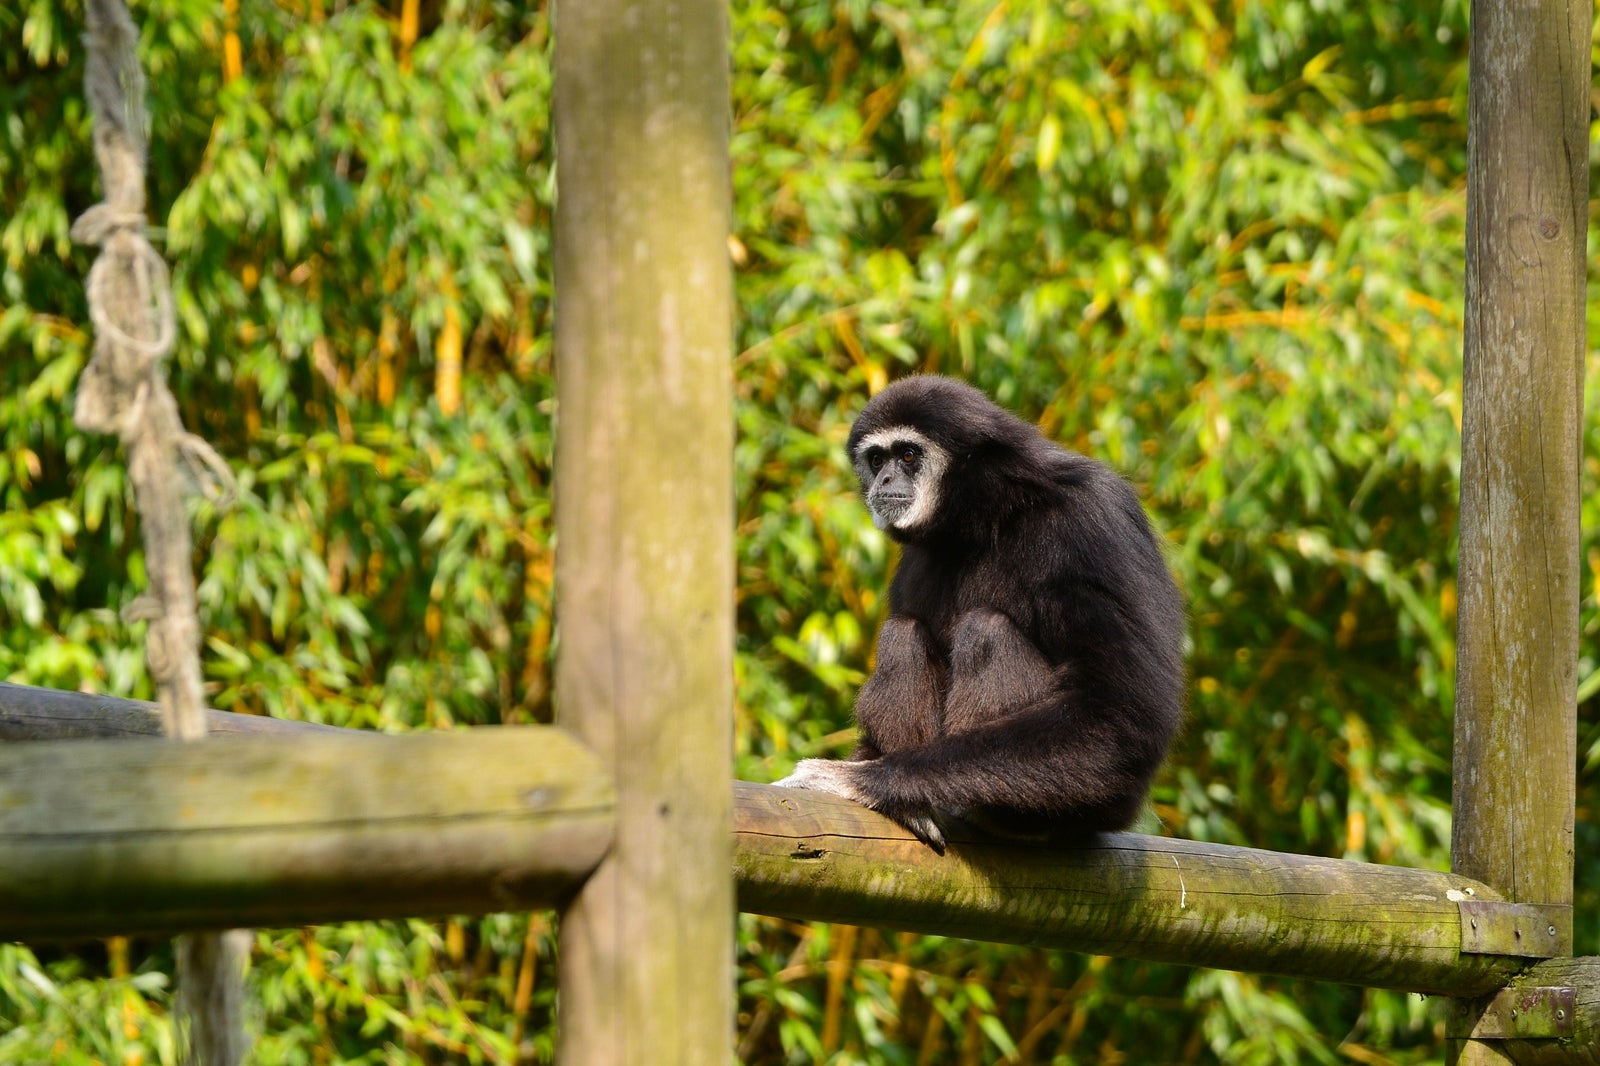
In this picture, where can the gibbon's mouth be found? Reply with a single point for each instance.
(889, 509)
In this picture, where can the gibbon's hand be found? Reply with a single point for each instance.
(828, 775)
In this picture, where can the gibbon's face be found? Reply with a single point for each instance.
(901, 471)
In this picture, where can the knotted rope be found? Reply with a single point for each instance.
(123, 390)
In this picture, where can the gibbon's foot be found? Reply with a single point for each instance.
(828, 775)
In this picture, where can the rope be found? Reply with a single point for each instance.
(123, 390)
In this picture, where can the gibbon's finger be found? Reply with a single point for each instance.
(925, 829)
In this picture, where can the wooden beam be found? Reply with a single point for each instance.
(644, 519)
(815, 857)
(797, 854)
(121, 836)
(28, 713)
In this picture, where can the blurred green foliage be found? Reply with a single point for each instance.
(1217, 244)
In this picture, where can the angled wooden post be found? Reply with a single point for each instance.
(644, 520)
(1527, 222)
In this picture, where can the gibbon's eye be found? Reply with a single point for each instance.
(874, 459)
(909, 454)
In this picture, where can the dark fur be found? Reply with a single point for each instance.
(1030, 676)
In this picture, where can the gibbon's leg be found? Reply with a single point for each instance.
(994, 670)
(901, 705)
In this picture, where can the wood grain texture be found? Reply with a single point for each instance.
(644, 520)
(1527, 222)
(1517, 646)
(121, 836)
(812, 856)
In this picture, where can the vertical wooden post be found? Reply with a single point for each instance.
(1527, 222)
(644, 556)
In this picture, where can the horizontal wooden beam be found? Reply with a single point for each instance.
(811, 856)
(325, 824)
(29, 713)
(121, 836)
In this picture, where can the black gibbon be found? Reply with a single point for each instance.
(1029, 677)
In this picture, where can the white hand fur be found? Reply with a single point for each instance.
(824, 775)
(837, 777)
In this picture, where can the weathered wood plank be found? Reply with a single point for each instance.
(121, 836)
(816, 857)
(28, 713)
